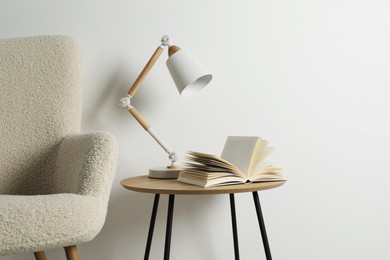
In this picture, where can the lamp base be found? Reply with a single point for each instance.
(164, 172)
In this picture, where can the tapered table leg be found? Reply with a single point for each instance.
(234, 226)
(71, 253)
(168, 233)
(151, 226)
(40, 255)
(262, 225)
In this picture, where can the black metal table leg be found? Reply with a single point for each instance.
(234, 225)
(262, 225)
(169, 226)
(151, 226)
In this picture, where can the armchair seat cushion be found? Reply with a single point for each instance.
(32, 223)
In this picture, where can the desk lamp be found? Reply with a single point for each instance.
(189, 76)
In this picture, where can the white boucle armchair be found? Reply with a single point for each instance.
(54, 181)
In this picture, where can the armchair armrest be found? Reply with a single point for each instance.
(86, 165)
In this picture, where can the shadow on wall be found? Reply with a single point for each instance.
(125, 228)
(128, 219)
(103, 109)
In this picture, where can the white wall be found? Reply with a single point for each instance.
(310, 76)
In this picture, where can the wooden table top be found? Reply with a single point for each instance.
(171, 186)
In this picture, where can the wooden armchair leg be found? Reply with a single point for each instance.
(71, 253)
(40, 255)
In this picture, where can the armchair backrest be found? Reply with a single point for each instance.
(40, 104)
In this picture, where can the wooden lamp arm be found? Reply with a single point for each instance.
(172, 155)
(139, 118)
(145, 71)
(125, 101)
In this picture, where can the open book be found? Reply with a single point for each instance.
(242, 160)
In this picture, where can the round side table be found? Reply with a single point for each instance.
(173, 187)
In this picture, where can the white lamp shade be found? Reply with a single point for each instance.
(187, 72)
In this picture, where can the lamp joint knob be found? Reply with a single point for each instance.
(125, 102)
(172, 157)
(166, 41)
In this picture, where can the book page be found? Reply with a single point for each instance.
(209, 162)
(228, 180)
(261, 156)
(239, 151)
(257, 156)
(267, 171)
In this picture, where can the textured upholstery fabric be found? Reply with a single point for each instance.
(83, 163)
(39, 105)
(34, 223)
(54, 181)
